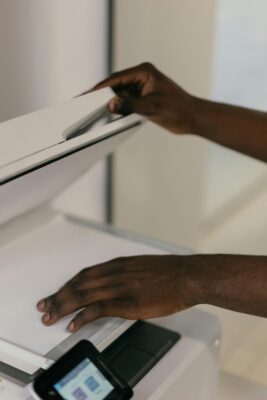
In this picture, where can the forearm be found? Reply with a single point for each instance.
(238, 283)
(235, 127)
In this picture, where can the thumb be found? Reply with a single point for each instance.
(117, 105)
(126, 104)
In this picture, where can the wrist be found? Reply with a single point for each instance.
(198, 110)
(198, 278)
(184, 114)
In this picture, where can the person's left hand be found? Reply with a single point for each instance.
(137, 287)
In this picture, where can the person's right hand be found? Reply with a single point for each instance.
(145, 90)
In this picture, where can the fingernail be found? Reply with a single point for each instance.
(71, 327)
(41, 305)
(46, 318)
(115, 105)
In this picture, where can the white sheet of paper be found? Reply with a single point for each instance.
(40, 262)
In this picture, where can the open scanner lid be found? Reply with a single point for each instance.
(42, 152)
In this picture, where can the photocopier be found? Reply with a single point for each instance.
(42, 247)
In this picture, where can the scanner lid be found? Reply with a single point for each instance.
(43, 152)
(38, 137)
(29, 134)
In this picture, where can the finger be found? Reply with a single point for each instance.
(101, 275)
(116, 105)
(58, 306)
(107, 270)
(75, 300)
(123, 78)
(97, 276)
(127, 104)
(100, 309)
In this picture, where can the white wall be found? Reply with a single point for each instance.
(234, 215)
(184, 189)
(159, 178)
(50, 51)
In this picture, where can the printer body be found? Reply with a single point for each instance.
(42, 247)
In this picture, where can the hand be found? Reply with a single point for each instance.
(146, 91)
(138, 287)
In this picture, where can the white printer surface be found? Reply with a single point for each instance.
(38, 264)
(53, 251)
(40, 249)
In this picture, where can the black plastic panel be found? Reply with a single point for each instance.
(136, 351)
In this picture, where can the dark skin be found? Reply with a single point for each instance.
(150, 286)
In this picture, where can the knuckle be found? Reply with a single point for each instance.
(80, 319)
(114, 75)
(99, 271)
(53, 302)
(80, 295)
(96, 268)
(147, 66)
(122, 260)
(48, 303)
(57, 309)
(119, 259)
(83, 273)
(100, 308)
(52, 299)
(75, 285)
(54, 316)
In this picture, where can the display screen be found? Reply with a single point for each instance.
(84, 382)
